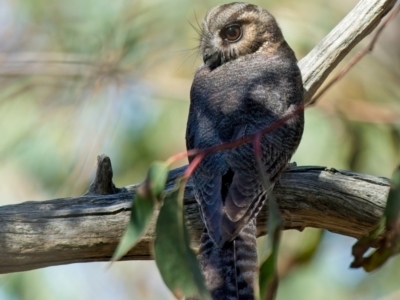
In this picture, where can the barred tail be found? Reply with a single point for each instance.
(230, 271)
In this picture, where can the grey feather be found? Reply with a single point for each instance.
(243, 86)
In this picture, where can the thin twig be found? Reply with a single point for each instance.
(356, 58)
(193, 165)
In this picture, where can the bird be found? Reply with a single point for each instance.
(249, 79)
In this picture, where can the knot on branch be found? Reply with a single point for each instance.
(103, 184)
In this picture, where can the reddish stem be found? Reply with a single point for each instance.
(193, 165)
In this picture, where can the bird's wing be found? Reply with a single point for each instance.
(209, 198)
(246, 194)
(228, 189)
(207, 177)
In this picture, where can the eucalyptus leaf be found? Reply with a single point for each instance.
(157, 176)
(386, 234)
(142, 208)
(392, 210)
(268, 274)
(141, 213)
(175, 259)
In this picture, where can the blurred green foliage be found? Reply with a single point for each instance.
(81, 78)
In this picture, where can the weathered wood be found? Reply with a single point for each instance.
(319, 63)
(88, 228)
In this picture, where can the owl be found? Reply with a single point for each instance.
(249, 80)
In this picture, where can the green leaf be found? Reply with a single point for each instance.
(377, 258)
(175, 259)
(142, 208)
(388, 227)
(268, 278)
(141, 213)
(268, 275)
(367, 241)
(392, 209)
(157, 175)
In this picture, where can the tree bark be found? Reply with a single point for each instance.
(320, 62)
(37, 234)
(88, 228)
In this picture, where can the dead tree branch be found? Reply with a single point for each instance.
(37, 234)
(320, 62)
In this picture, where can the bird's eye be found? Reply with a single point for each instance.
(231, 33)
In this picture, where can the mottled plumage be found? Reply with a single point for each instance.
(249, 80)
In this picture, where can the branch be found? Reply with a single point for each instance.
(319, 63)
(357, 57)
(88, 228)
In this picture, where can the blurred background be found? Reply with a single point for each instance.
(82, 78)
